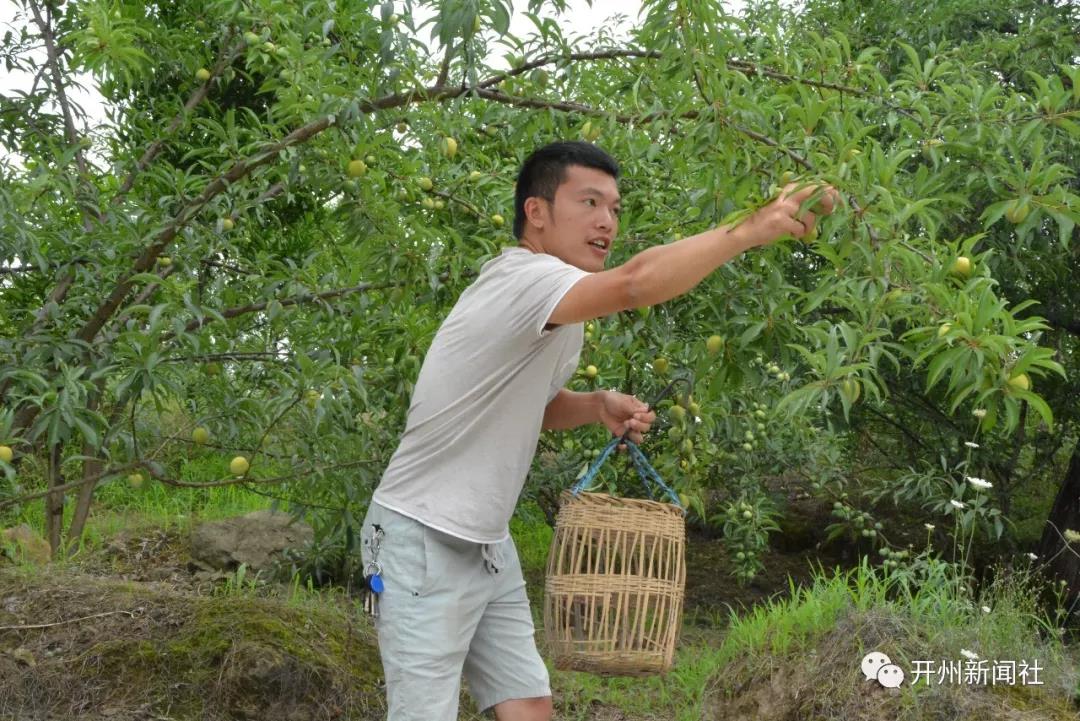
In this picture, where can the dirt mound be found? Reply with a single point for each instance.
(75, 646)
(826, 683)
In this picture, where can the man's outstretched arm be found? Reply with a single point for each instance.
(662, 272)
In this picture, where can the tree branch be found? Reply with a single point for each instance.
(899, 426)
(522, 102)
(18, 269)
(766, 140)
(444, 71)
(245, 356)
(91, 465)
(68, 280)
(197, 323)
(268, 154)
(740, 65)
(161, 240)
(145, 295)
(72, 137)
(292, 475)
(59, 293)
(227, 266)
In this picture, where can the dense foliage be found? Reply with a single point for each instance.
(288, 198)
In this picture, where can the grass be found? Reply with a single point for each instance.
(156, 500)
(118, 507)
(532, 537)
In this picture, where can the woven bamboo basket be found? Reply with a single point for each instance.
(615, 584)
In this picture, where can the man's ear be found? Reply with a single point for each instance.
(536, 212)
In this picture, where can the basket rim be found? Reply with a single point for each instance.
(568, 496)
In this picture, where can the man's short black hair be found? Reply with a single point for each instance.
(544, 170)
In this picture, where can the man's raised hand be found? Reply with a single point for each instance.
(794, 212)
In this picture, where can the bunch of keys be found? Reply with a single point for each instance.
(373, 583)
(373, 586)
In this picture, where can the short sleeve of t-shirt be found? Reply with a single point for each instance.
(540, 281)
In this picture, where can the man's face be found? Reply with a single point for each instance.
(581, 225)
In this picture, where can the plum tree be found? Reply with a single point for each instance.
(944, 145)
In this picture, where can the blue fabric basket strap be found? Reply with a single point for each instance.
(649, 476)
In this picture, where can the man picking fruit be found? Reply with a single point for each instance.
(453, 597)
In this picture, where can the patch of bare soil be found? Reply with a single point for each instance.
(710, 589)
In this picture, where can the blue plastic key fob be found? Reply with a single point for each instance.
(375, 583)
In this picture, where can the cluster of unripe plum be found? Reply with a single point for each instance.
(683, 412)
(892, 558)
(771, 369)
(741, 510)
(744, 551)
(862, 522)
(750, 440)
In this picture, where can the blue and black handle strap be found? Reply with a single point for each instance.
(648, 474)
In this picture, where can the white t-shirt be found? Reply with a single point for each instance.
(478, 405)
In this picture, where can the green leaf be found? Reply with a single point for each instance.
(86, 430)
(1040, 406)
(501, 17)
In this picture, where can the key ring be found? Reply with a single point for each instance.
(373, 569)
(375, 542)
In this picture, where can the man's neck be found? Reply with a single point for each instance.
(531, 245)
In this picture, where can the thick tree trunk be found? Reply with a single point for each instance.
(1064, 563)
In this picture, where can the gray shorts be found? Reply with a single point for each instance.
(444, 610)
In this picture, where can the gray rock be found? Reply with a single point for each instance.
(256, 539)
